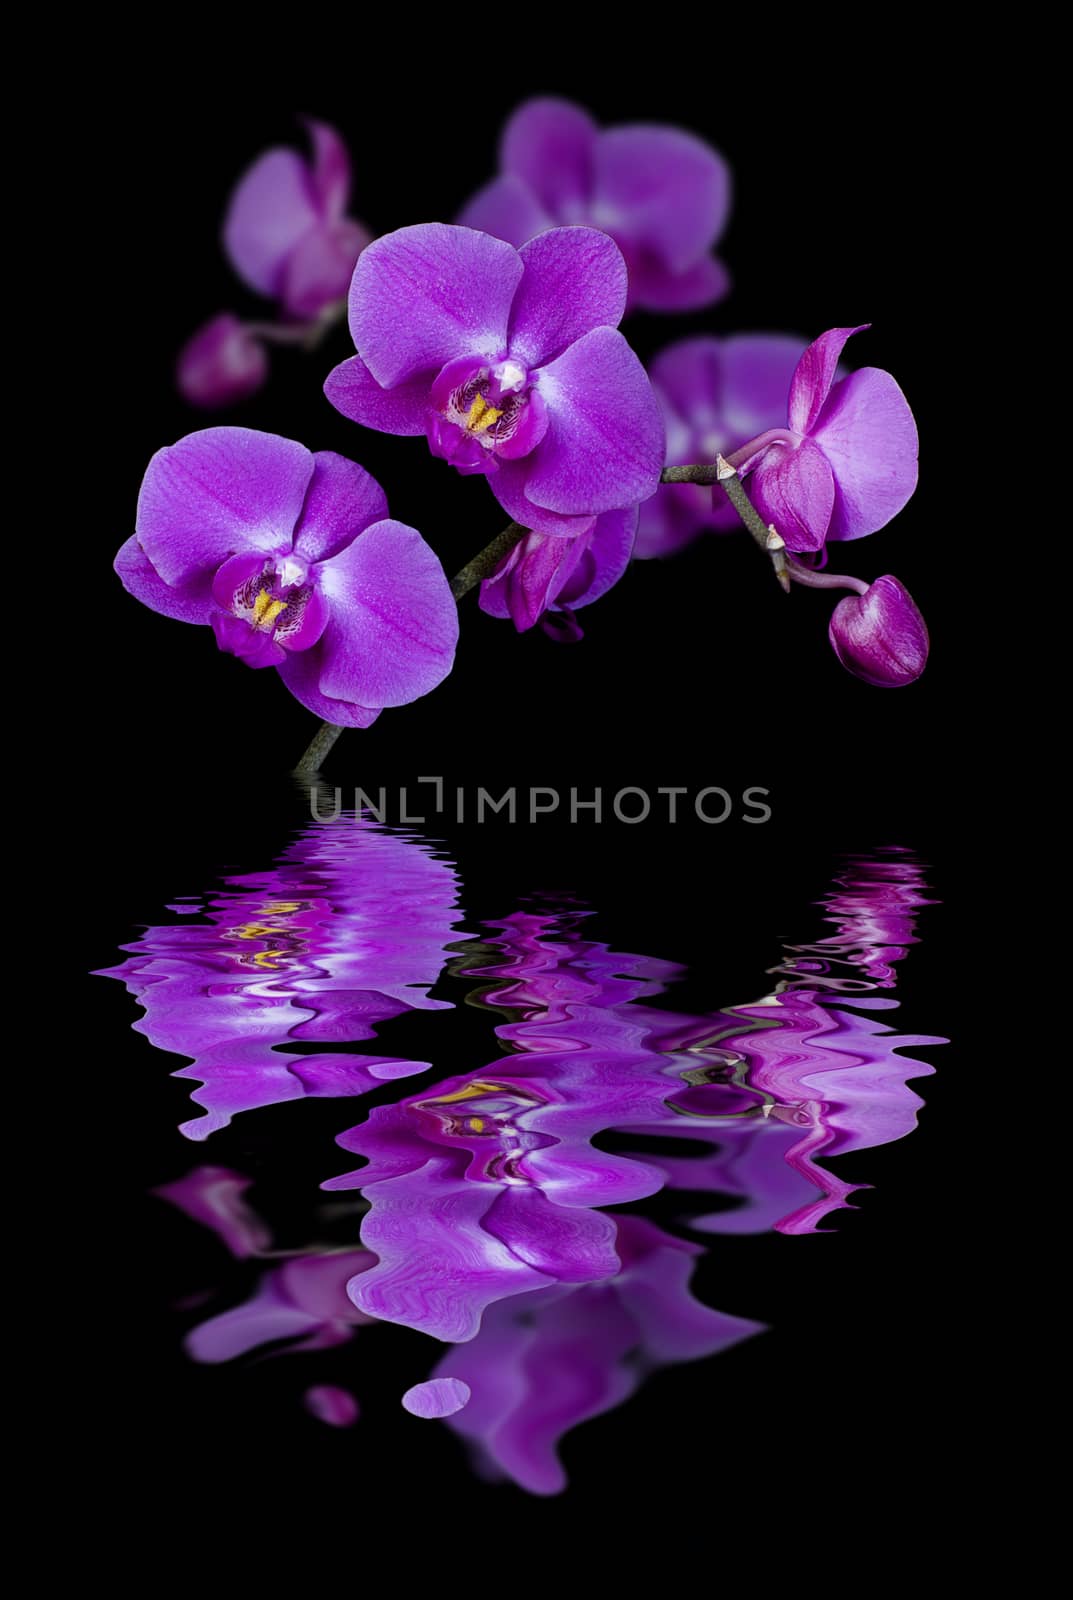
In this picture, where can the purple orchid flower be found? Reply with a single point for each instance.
(880, 636)
(222, 363)
(290, 557)
(287, 235)
(714, 393)
(486, 1224)
(286, 232)
(511, 363)
(348, 931)
(489, 1185)
(662, 194)
(549, 572)
(847, 461)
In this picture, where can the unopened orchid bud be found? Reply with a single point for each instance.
(221, 364)
(880, 636)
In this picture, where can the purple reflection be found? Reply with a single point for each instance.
(486, 1224)
(543, 1364)
(490, 1185)
(349, 930)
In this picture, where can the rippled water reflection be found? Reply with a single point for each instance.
(485, 1192)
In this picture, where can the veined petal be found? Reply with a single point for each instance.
(394, 622)
(354, 391)
(663, 189)
(342, 501)
(508, 209)
(301, 673)
(605, 443)
(192, 602)
(603, 561)
(423, 296)
(795, 489)
(574, 281)
(814, 375)
(270, 210)
(867, 432)
(550, 144)
(217, 492)
(508, 486)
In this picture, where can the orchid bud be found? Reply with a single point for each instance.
(221, 364)
(880, 636)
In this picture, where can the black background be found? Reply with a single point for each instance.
(696, 671)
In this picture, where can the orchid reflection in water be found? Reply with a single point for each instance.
(348, 931)
(483, 1196)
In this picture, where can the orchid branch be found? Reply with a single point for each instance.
(726, 476)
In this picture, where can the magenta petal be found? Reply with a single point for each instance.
(233, 576)
(304, 621)
(394, 622)
(605, 443)
(342, 501)
(663, 190)
(532, 577)
(508, 486)
(192, 602)
(604, 561)
(549, 144)
(217, 492)
(814, 375)
(331, 168)
(271, 209)
(796, 492)
(866, 431)
(354, 391)
(254, 646)
(508, 209)
(301, 673)
(654, 287)
(317, 271)
(220, 364)
(574, 281)
(423, 296)
(439, 1397)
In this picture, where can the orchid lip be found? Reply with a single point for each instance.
(274, 597)
(490, 409)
